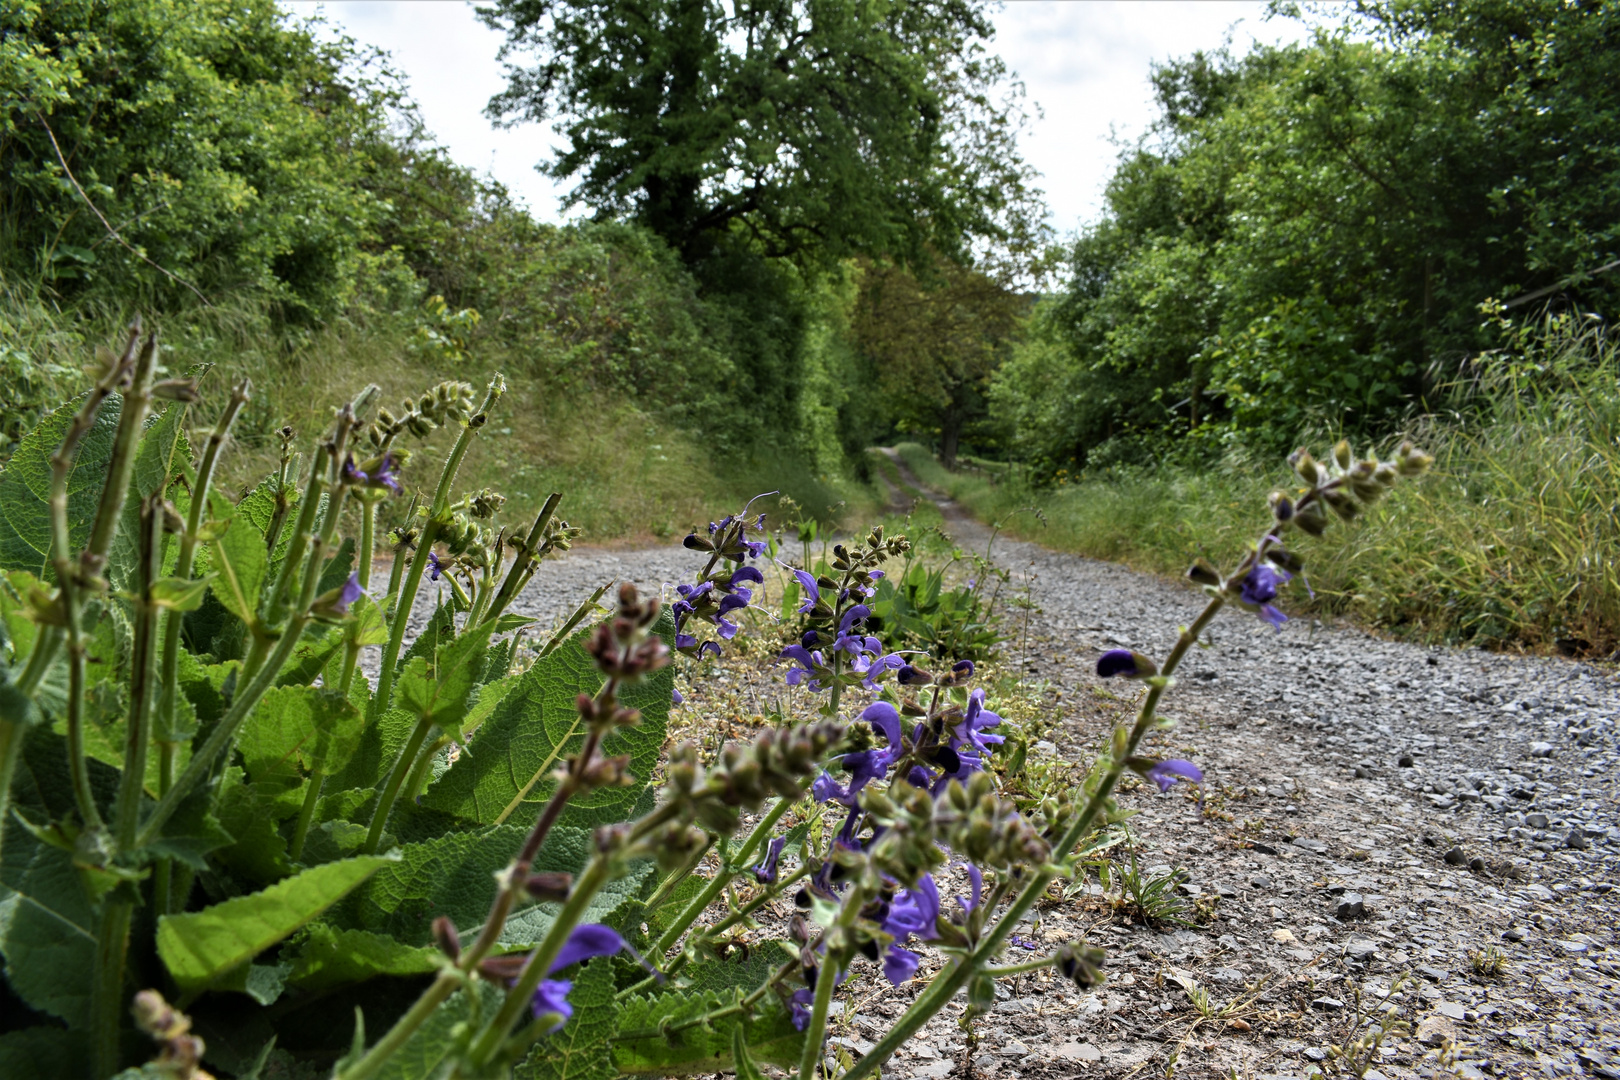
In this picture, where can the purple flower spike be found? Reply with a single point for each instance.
(1117, 662)
(333, 605)
(799, 1007)
(1166, 773)
(551, 996)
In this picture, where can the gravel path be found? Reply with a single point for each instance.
(1373, 809)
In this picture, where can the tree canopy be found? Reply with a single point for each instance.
(1308, 233)
(815, 128)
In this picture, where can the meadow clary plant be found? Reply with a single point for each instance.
(225, 848)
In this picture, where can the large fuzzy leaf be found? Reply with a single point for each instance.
(507, 775)
(43, 1051)
(437, 691)
(424, 1052)
(202, 947)
(640, 1048)
(47, 927)
(163, 455)
(241, 563)
(25, 487)
(582, 1050)
(299, 726)
(329, 957)
(453, 875)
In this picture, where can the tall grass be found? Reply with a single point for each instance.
(1512, 541)
(625, 474)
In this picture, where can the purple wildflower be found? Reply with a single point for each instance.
(435, 567)
(799, 1006)
(1117, 662)
(1260, 588)
(585, 941)
(333, 605)
(765, 872)
(812, 591)
(899, 964)
(1166, 773)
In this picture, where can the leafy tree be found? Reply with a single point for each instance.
(814, 128)
(1308, 233)
(935, 342)
(224, 145)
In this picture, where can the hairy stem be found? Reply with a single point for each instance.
(396, 777)
(107, 1003)
(826, 982)
(517, 575)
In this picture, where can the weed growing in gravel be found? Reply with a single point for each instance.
(465, 868)
(1488, 963)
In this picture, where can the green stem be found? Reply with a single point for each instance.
(1019, 969)
(306, 814)
(47, 646)
(948, 982)
(276, 607)
(396, 777)
(414, 783)
(722, 878)
(436, 994)
(517, 999)
(402, 617)
(516, 573)
(107, 1005)
(815, 1031)
(142, 688)
(248, 698)
(11, 743)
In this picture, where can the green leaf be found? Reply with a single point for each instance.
(242, 565)
(424, 1052)
(43, 1051)
(582, 1050)
(640, 1048)
(162, 454)
(201, 947)
(47, 927)
(507, 772)
(328, 957)
(741, 1059)
(25, 487)
(746, 973)
(300, 727)
(177, 594)
(513, 622)
(454, 875)
(438, 693)
(190, 833)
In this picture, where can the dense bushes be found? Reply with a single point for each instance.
(1309, 233)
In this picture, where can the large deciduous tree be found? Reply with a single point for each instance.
(935, 339)
(816, 128)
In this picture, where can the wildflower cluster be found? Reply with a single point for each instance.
(725, 586)
(836, 651)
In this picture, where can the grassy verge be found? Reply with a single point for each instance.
(624, 474)
(1510, 542)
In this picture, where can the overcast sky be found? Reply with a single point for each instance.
(1085, 63)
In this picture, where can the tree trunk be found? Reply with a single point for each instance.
(949, 435)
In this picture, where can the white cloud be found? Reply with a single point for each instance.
(1085, 62)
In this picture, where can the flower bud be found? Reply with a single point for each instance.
(1342, 454)
(446, 938)
(1305, 466)
(552, 885)
(1282, 507)
(1201, 573)
(182, 390)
